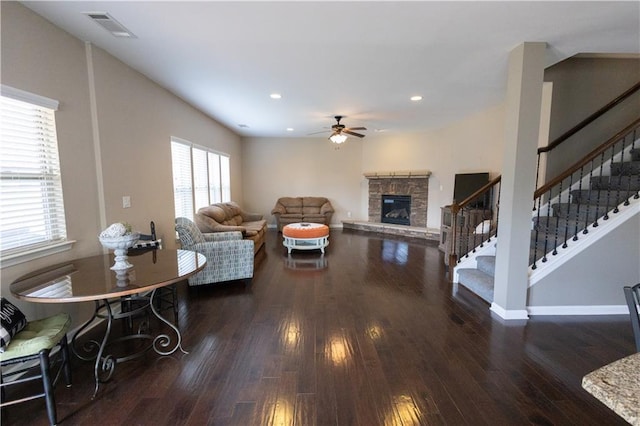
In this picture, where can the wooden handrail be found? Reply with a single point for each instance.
(575, 129)
(593, 154)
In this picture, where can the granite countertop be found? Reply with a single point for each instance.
(617, 385)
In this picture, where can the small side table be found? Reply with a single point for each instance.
(305, 236)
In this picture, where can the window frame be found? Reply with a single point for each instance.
(33, 251)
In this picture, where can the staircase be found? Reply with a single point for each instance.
(566, 221)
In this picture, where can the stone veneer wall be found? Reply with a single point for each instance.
(417, 187)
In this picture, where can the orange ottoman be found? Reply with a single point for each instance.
(305, 236)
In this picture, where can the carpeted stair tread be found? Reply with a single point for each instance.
(478, 282)
(551, 223)
(579, 211)
(625, 183)
(600, 197)
(487, 264)
(625, 168)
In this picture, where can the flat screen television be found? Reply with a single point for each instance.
(468, 183)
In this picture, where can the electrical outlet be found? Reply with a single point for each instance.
(349, 215)
(126, 202)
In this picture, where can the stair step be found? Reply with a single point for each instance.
(609, 198)
(550, 224)
(478, 282)
(631, 183)
(635, 154)
(579, 212)
(625, 168)
(487, 264)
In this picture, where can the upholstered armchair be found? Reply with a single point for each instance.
(229, 257)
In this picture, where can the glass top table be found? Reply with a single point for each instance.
(91, 279)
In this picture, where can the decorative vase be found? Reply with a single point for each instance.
(120, 245)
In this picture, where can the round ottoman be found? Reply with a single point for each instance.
(305, 236)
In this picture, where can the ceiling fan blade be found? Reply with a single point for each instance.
(356, 128)
(315, 133)
(358, 135)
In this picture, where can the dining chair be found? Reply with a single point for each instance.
(632, 294)
(34, 344)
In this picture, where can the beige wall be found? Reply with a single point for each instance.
(137, 119)
(582, 85)
(135, 122)
(293, 167)
(311, 166)
(467, 146)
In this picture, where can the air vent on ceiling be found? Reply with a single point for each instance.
(107, 22)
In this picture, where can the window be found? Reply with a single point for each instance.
(200, 177)
(31, 204)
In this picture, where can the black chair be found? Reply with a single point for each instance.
(34, 344)
(632, 294)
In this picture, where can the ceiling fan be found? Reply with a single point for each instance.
(340, 131)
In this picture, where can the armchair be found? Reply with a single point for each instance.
(229, 257)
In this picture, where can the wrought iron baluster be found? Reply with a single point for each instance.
(575, 231)
(557, 217)
(534, 255)
(619, 186)
(566, 222)
(606, 214)
(633, 147)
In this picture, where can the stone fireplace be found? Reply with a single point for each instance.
(410, 186)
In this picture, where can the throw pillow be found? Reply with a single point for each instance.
(12, 321)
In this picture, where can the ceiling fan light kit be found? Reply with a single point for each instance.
(340, 132)
(338, 138)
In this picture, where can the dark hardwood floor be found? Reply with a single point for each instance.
(370, 334)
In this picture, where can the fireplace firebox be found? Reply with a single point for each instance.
(396, 209)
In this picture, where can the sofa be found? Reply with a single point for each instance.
(229, 256)
(229, 217)
(302, 209)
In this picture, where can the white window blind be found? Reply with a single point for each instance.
(182, 193)
(199, 177)
(31, 201)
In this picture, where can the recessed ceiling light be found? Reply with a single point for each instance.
(275, 96)
(416, 98)
(289, 129)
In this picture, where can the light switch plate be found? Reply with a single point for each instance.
(126, 202)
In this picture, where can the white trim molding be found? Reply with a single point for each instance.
(579, 310)
(515, 314)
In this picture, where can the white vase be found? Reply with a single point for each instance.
(120, 245)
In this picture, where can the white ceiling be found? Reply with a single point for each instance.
(359, 59)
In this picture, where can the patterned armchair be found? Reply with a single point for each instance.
(229, 257)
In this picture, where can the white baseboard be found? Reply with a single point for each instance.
(579, 310)
(515, 314)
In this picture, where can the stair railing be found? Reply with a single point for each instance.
(574, 193)
(474, 221)
(584, 123)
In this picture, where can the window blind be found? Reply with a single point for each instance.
(182, 184)
(200, 177)
(31, 200)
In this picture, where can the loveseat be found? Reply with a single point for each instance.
(302, 209)
(229, 217)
